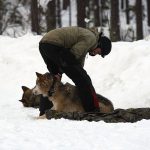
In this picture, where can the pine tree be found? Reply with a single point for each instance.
(139, 20)
(115, 23)
(66, 3)
(148, 11)
(35, 17)
(122, 4)
(51, 15)
(127, 12)
(96, 13)
(81, 13)
(1, 15)
(58, 12)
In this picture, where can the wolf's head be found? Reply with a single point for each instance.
(29, 99)
(43, 83)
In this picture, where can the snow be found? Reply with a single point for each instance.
(123, 77)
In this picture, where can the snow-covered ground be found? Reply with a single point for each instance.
(123, 76)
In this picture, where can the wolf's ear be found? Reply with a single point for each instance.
(24, 88)
(38, 74)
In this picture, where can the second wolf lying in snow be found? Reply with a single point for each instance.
(65, 97)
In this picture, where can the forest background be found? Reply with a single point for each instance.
(121, 20)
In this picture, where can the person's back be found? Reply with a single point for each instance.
(69, 36)
(78, 40)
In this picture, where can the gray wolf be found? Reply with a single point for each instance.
(65, 97)
(29, 99)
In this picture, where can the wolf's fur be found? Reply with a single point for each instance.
(65, 97)
(29, 99)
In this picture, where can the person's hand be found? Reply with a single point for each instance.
(58, 76)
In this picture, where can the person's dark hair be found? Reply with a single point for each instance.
(105, 44)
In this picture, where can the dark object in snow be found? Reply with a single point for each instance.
(118, 115)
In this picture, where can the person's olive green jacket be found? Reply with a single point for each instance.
(79, 40)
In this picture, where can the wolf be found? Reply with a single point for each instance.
(29, 99)
(65, 97)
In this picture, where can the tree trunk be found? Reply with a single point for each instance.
(122, 4)
(148, 11)
(51, 15)
(96, 13)
(66, 3)
(104, 12)
(139, 20)
(88, 11)
(70, 21)
(81, 13)
(58, 12)
(35, 17)
(1, 16)
(127, 12)
(115, 22)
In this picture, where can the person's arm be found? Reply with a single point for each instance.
(81, 48)
(55, 70)
(82, 61)
(76, 54)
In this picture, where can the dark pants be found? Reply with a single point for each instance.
(61, 60)
(44, 105)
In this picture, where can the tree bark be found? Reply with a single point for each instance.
(96, 13)
(81, 13)
(66, 3)
(1, 16)
(139, 20)
(58, 12)
(148, 11)
(35, 17)
(115, 22)
(122, 4)
(51, 15)
(70, 21)
(127, 12)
